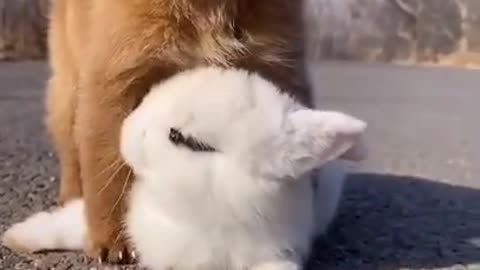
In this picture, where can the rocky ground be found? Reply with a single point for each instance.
(415, 204)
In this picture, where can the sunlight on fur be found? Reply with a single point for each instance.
(272, 184)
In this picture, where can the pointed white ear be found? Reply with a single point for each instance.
(312, 138)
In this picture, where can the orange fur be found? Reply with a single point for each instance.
(106, 54)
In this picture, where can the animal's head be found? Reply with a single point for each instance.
(206, 114)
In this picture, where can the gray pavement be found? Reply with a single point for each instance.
(415, 204)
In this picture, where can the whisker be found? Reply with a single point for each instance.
(112, 177)
(119, 234)
(113, 164)
(123, 192)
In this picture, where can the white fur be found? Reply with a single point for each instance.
(251, 205)
(257, 203)
(63, 228)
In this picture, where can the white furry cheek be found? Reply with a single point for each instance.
(157, 238)
(132, 141)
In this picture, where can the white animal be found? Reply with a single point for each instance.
(225, 167)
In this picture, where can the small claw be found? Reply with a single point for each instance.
(133, 254)
(120, 255)
(100, 261)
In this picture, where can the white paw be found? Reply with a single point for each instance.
(26, 236)
(63, 228)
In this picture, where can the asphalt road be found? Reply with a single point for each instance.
(415, 204)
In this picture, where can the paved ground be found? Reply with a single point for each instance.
(415, 204)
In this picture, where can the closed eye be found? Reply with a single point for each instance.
(177, 138)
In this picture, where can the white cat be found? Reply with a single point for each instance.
(225, 176)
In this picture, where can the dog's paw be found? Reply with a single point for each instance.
(111, 251)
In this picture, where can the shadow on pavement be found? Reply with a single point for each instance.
(391, 222)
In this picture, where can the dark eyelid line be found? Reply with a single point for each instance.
(177, 138)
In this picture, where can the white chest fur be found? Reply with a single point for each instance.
(235, 224)
(221, 234)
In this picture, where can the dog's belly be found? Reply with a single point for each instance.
(284, 230)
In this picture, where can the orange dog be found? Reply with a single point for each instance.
(106, 54)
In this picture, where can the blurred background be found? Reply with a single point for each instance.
(418, 32)
(435, 32)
